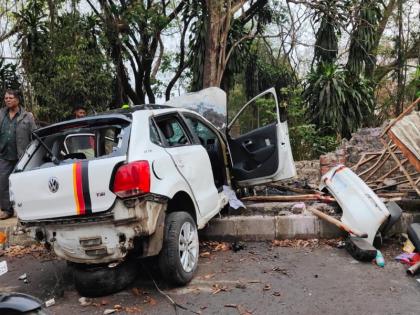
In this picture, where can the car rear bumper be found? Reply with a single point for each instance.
(102, 239)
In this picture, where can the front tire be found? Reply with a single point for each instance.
(178, 259)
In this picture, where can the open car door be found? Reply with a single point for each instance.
(258, 140)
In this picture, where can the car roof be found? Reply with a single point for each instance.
(120, 114)
(128, 111)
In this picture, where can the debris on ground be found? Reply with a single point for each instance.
(3, 239)
(379, 259)
(109, 311)
(240, 285)
(23, 276)
(237, 246)
(213, 246)
(291, 198)
(50, 302)
(308, 243)
(414, 269)
(408, 247)
(240, 309)
(3, 267)
(85, 301)
(216, 288)
(35, 250)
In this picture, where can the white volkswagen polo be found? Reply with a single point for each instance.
(139, 182)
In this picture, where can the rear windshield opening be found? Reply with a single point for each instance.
(75, 144)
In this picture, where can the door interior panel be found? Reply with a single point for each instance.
(255, 153)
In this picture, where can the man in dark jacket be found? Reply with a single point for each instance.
(16, 126)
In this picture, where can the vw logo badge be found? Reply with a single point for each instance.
(53, 184)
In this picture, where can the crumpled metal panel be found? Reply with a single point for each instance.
(210, 103)
(407, 130)
(362, 208)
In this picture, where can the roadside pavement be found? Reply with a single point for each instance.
(259, 279)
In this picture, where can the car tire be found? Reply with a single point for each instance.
(178, 259)
(94, 281)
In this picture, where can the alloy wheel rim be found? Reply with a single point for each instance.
(188, 246)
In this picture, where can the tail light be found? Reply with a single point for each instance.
(132, 179)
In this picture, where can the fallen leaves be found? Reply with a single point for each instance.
(209, 276)
(147, 298)
(213, 246)
(205, 254)
(84, 301)
(216, 288)
(36, 250)
(309, 243)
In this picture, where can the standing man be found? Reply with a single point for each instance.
(16, 126)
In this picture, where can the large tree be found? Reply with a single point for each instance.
(133, 32)
(63, 60)
(221, 31)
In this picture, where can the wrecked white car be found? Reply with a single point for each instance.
(139, 182)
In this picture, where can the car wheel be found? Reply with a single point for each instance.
(103, 280)
(178, 258)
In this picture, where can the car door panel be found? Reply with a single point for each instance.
(262, 152)
(255, 153)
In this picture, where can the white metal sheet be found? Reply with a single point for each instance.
(362, 208)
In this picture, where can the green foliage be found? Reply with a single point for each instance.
(332, 104)
(64, 62)
(413, 87)
(331, 15)
(363, 37)
(306, 140)
(8, 76)
(340, 100)
(263, 72)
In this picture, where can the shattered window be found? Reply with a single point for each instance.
(72, 144)
(173, 132)
(204, 134)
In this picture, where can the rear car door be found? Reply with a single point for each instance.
(190, 159)
(258, 140)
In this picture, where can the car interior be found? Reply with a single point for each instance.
(81, 144)
(252, 140)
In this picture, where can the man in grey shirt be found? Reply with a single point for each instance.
(16, 126)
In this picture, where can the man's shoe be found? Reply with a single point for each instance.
(5, 215)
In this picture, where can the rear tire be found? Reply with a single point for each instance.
(101, 280)
(178, 259)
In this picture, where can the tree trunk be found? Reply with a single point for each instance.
(212, 40)
(400, 47)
